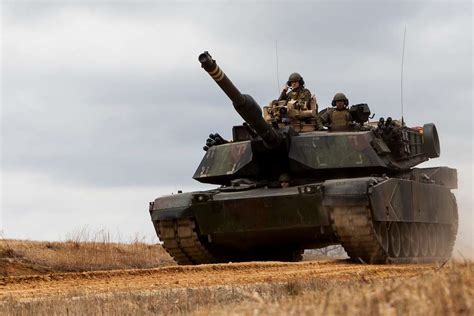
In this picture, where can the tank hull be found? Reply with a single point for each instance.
(376, 219)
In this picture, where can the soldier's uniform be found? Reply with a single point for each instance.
(300, 94)
(337, 119)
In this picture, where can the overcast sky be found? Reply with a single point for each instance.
(105, 106)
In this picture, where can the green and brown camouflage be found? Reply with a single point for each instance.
(294, 77)
(310, 155)
(300, 94)
(340, 97)
(357, 188)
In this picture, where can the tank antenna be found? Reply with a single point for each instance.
(401, 73)
(277, 71)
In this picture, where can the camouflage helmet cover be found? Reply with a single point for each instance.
(284, 177)
(295, 77)
(340, 97)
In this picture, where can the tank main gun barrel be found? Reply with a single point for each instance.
(244, 104)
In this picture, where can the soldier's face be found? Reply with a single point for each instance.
(295, 84)
(340, 104)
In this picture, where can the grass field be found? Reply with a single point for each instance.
(330, 288)
(20, 257)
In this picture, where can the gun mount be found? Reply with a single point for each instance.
(360, 113)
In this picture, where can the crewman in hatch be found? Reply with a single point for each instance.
(338, 117)
(284, 180)
(297, 91)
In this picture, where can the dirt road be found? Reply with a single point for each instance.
(65, 284)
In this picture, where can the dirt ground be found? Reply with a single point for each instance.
(99, 277)
(63, 284)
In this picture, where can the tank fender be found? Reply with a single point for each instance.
(347, 192)
(172, 206)
(412, 201)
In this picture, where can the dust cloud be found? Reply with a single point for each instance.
(464, 247)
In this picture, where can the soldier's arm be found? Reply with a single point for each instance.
(282, 96)
(325, 117)
(305, 98)
(319, 123)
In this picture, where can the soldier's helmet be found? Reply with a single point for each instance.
(340, 97)
(295, 77)
(284, 177)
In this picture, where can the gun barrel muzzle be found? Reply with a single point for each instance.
(220, 78)
(206, 61)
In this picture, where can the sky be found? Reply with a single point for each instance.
(104, 106)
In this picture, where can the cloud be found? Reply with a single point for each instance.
(110, 96)
(41, 208)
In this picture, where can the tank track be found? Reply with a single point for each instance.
(180, 240)
(376, 242)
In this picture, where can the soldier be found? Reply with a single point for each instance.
(284, 180)
(298, 91)
(338, 118)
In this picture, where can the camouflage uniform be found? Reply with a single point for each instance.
(301, 94)
(337, 119)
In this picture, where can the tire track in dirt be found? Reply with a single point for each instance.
(61, 284)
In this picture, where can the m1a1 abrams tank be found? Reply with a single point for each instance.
(358, 188)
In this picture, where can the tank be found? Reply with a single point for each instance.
(286, 184)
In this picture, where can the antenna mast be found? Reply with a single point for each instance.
(277, 73)
(401, 74)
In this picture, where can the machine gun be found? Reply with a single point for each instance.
(360, 113)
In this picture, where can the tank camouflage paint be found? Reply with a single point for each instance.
(359, 188)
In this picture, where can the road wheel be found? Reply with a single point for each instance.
(443, 239)
(432, 240)
(382, 235)
(405, 239)
(414, 239)
(394, 240)
(424, 239)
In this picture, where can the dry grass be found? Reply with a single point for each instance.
(447, 291)
(78, 253)
(86, 251)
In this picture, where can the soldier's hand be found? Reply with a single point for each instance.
(285, 88)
